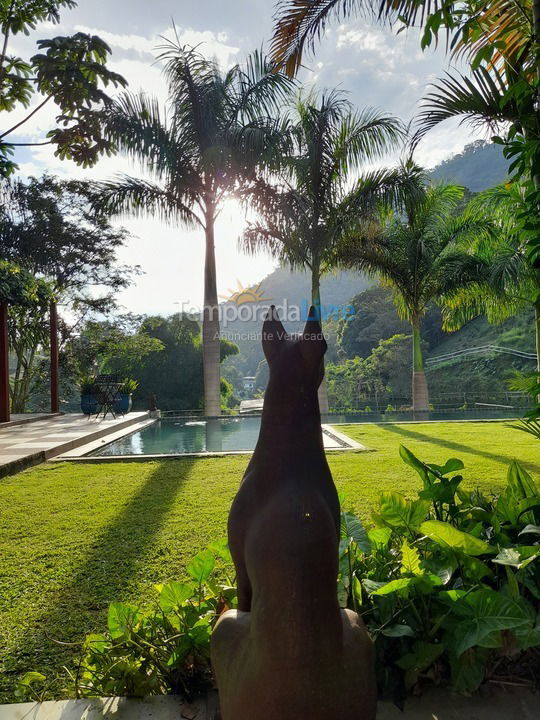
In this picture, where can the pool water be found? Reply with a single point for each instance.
(234, 434)
(192, 436)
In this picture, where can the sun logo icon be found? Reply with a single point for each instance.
(245, 295)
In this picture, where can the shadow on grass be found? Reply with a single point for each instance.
(459, 447)
(104, 576)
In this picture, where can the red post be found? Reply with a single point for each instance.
(54, 357)
(4, 364)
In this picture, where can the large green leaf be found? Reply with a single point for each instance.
(174, 595)
(380, 537)
(201, 566)
(410, 560)
(518, 557)
(396, 511)
(446, 535)
(122, 620)
(220, 548)
(520, 481)
(352, 528)
(400, 586)
(410, 458)
(486, 611)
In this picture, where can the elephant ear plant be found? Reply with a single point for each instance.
(448, 583)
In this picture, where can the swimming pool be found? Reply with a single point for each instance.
(183, 436)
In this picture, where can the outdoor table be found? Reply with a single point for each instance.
(107, 387)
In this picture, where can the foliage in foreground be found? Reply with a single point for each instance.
(448, 585)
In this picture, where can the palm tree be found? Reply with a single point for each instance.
(497, 32)
(308, 211)
(500, 39)
(215, 129)
(510, 282)
(419, 254)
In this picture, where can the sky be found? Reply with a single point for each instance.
(373, 65)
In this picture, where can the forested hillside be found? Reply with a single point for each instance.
(374, 334)
(480, 166)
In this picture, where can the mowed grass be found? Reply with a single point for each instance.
(74, 537)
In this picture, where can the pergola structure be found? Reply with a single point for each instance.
(18, 287)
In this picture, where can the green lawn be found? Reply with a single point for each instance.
(73, 537)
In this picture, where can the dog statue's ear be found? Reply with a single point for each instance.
(312, 343)
(274, 335)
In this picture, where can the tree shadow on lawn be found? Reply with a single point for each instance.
(104, 576)
(459, 447)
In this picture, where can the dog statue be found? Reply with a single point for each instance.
(289, 652)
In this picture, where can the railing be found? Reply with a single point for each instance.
(480, 350)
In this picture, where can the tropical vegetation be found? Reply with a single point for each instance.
(216, 128)
(420, 255)
(48, 228)
(69, 72)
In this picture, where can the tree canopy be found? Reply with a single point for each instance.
(70, 72)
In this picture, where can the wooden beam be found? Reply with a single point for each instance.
(55, 406)
(4, 364)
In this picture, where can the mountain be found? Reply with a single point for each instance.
(480, 166)
(290, 292)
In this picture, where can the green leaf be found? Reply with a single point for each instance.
(408, 457)
(174, 595)
(518, 557)
(201, 566)
(410, 560)
(401, 586)
(380, 537)
(32, 677)
(122, 620)
(220, 548)
(487, 611)
(396, 511)
(468, 670)
(520, 481)
(531, 530)
(351, 527)
(398, 631)
(446, 535)
(451, 465)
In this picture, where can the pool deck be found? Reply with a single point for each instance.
(24, 444)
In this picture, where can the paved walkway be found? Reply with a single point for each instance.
(28, 444)
(491, 703)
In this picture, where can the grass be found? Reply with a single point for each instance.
(74, 537)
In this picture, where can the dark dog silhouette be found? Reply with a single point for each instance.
(289, 652)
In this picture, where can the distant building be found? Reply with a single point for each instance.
(249, 383)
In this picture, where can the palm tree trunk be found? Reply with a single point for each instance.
(537, 326)
(420, 399)
(210, 328)
(316, 302)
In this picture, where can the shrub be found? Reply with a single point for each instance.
(448, 583)
(165, 649)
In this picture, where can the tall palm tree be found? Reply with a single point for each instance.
(304, 215)
(419, 254)
(510, 282)
(204, 145)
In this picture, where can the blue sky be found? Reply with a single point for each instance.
(372, 64)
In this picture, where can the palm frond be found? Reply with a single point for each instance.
(133, 196)
(480, 101)
(299, 23)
